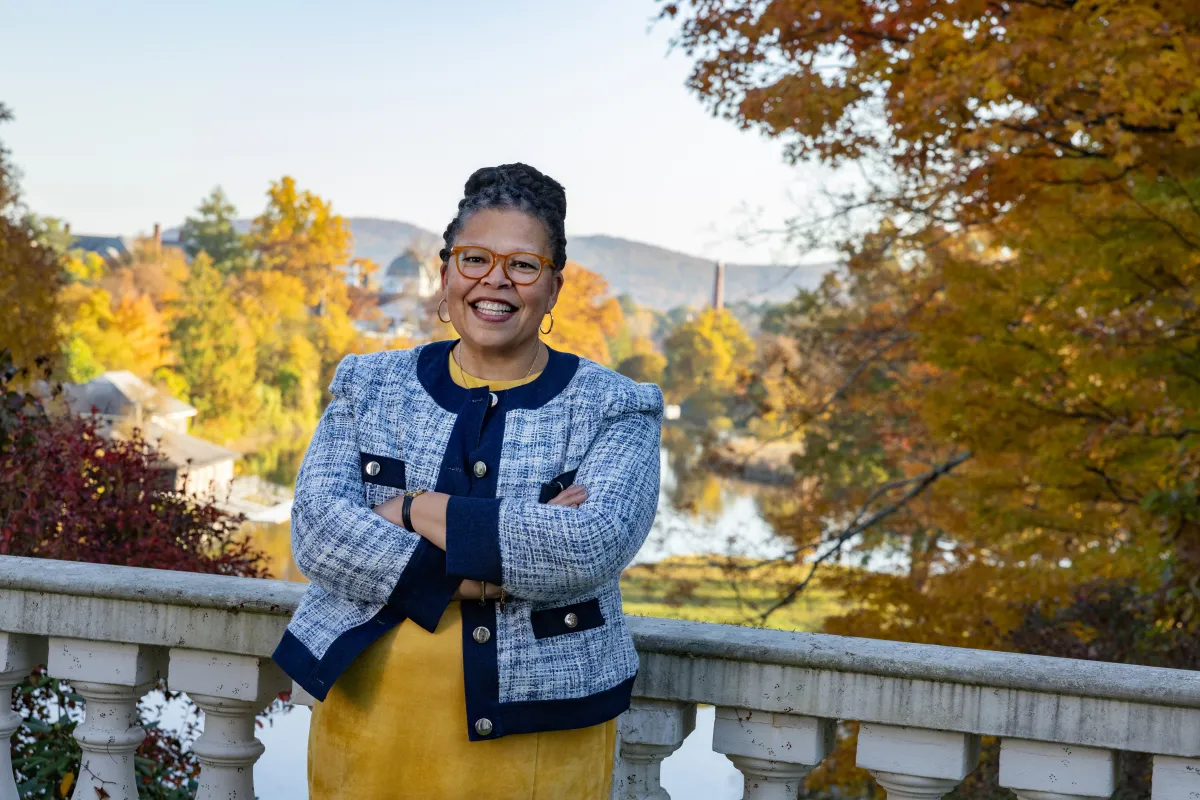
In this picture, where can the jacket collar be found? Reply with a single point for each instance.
(434, 374)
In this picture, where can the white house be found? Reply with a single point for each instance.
(122, 401)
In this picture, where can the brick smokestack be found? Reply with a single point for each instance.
(719, 286)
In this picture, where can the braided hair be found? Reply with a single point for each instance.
(520, 187)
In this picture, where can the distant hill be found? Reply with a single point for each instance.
(654, 276)
(664, 279)
(381, 240)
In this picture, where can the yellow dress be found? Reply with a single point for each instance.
(392, 725)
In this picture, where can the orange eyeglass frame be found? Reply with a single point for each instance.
(502, 260)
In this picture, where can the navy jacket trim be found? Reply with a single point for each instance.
(473, 538)
(535, 716)
(388, 471)
(547, 622)
(434, 374)
(481, 672)
(424, 588)
(317, 675)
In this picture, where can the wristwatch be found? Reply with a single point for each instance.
(406, 509)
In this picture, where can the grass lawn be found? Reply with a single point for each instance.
(698, 588)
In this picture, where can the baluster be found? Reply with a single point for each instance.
(231, 690)
(772, 751)
(1175, 778)
(916, 763)
(647, 733)
(1050, 771)
(301, 697)
(111, 678)
(18, 656)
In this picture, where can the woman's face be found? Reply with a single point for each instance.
(493, 313)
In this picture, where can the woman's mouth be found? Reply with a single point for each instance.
(493, 310)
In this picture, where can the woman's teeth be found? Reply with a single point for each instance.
(493, 309)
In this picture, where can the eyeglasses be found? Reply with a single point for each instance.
(476, 263)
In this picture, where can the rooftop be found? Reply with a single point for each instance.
(117, 393)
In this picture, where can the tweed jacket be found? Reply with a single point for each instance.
(558, 655)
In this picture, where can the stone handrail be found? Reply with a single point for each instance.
(922, 708)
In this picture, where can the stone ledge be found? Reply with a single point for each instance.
(247, 616)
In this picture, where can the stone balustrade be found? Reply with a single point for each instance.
(112, 631)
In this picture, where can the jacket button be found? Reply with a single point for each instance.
(480, 469)
(372, 468)
(481, 634)
(483, 726)
(571, 620)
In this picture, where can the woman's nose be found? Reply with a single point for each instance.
(496, 277)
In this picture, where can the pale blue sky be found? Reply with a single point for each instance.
(129, 112)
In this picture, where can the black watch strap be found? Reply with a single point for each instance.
(406, 513)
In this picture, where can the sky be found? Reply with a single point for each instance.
(129, 113)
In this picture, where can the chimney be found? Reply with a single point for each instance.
(719, 286)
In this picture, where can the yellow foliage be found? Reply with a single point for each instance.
(585, 316)
(298, 234)
(708, 352)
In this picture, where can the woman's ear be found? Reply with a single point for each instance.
(555, 288)
(444, 265)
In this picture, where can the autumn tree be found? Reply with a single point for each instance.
(999, 385)
(1037, 202)
(706, 353)
(30, 274)
(298, 234)
(215, 347)
(108, 323)
(644, 367)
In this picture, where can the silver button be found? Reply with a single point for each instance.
(372, 468)
(494, 399)
(483, 726)
(480, 469)
(571, 620)
(481, 634)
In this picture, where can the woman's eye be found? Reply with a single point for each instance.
(523, 266)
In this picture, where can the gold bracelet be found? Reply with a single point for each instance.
(483, 593)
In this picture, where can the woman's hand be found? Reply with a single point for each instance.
(571, 497)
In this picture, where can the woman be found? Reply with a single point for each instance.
(492, 471)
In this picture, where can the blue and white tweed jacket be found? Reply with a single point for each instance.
(558, 655)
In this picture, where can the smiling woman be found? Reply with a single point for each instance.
(495, 471)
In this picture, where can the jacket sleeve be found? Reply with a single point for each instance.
(546, 552)
(343, 546)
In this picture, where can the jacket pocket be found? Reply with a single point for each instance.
(383, 478)
(576, 617)
(557, 486)
(381, 470)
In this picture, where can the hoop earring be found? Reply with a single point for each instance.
(551, 313)
(439, 310)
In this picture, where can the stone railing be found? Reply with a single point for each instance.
(113, 630)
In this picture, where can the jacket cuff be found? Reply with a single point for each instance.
(473, 538)
(424, 589)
